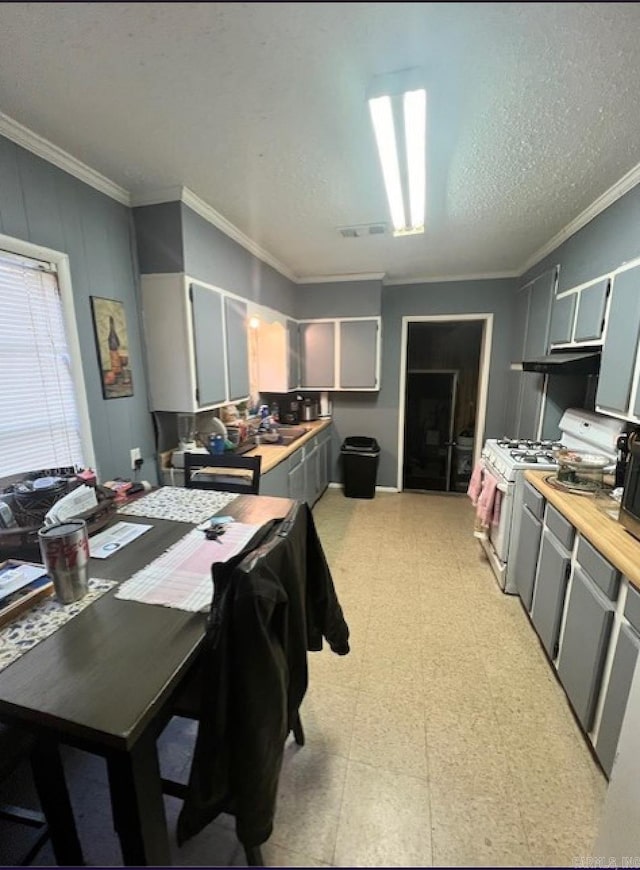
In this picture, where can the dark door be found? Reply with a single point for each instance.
(430, 404)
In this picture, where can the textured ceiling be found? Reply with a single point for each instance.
(260, 109)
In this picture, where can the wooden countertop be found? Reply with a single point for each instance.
(274, 454)
(595, 517)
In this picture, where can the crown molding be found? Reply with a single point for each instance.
(190, 199)
(42, 147)
(443, 279)
(615, 192)
(157, 196)
(354, 276)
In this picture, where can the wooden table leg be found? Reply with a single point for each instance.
(49, 779)
(138, 806)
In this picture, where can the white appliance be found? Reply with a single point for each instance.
(507, 459)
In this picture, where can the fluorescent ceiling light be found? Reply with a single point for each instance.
(403, 165)
(382, 117)
(415, 134)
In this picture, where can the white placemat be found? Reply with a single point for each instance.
(181, 577)
(41, 620)
(178, 503)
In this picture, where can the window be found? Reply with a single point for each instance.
(39, 420)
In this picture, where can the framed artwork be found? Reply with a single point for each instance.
(112, 340)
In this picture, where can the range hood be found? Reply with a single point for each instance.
(564, 363)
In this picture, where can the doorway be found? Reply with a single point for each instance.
(443, 399)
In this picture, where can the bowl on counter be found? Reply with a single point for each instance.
(575, 466)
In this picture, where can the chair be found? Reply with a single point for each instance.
(17, 746)
(231, 477)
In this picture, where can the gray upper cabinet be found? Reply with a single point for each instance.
(197, 346)
(537, 333)
(206, 312)
(340, 354)
(358, 354)
(551, 584)
(293, 353)
(584, 645)
(562, 316)
(520, 325)
(591, 308)
(317, 354)
(620, 344)
(237, 348)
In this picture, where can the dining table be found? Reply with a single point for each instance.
(105, 681)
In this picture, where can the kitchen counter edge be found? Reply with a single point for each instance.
(274, 454)
(590, 517)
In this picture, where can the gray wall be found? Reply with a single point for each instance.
(173, 238)
(339, 299)
(376, 414)
(609, 240)
(42, 204)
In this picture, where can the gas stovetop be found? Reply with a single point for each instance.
(509, 455)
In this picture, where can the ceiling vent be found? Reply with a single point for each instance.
(359, 231)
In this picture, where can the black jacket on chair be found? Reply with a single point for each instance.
(271, 604)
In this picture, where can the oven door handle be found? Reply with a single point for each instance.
(503, 487)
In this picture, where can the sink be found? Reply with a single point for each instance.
(288, 434)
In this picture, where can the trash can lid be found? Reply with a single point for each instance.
(360, 444)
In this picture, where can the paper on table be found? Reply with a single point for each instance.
(181, 577)
(115, 538)
(81, 499)
(14, 577)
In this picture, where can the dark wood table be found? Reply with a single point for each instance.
(105, 680)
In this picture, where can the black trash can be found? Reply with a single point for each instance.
(360, 457)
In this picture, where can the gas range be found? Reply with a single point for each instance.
(510, 455)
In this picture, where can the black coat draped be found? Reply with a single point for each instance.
(272, 603)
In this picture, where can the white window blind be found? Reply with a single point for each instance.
(39, 423)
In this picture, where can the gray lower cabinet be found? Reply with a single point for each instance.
(304, 475)
(615, 703)
(590, 319)
(297, 481)
(584, 645)
(562, 315)
(554, 567)
(526, 557)
(276, 481)
(620, 344)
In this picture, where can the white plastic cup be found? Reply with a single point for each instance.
(65, 554)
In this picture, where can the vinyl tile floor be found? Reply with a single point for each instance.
(442, 739)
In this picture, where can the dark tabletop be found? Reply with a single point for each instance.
(102, 676)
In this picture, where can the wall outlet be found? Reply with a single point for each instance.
(136, 456)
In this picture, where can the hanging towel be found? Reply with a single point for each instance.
(486, 500)
(475, 484)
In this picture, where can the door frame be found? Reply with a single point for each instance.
(483, 378)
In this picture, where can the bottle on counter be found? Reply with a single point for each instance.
(216, 444)
(274, 412)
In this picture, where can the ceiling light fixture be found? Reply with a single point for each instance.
(398, 106)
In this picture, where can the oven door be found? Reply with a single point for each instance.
(496, 544)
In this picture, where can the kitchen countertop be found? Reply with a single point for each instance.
(595, 517)
(274, 454)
